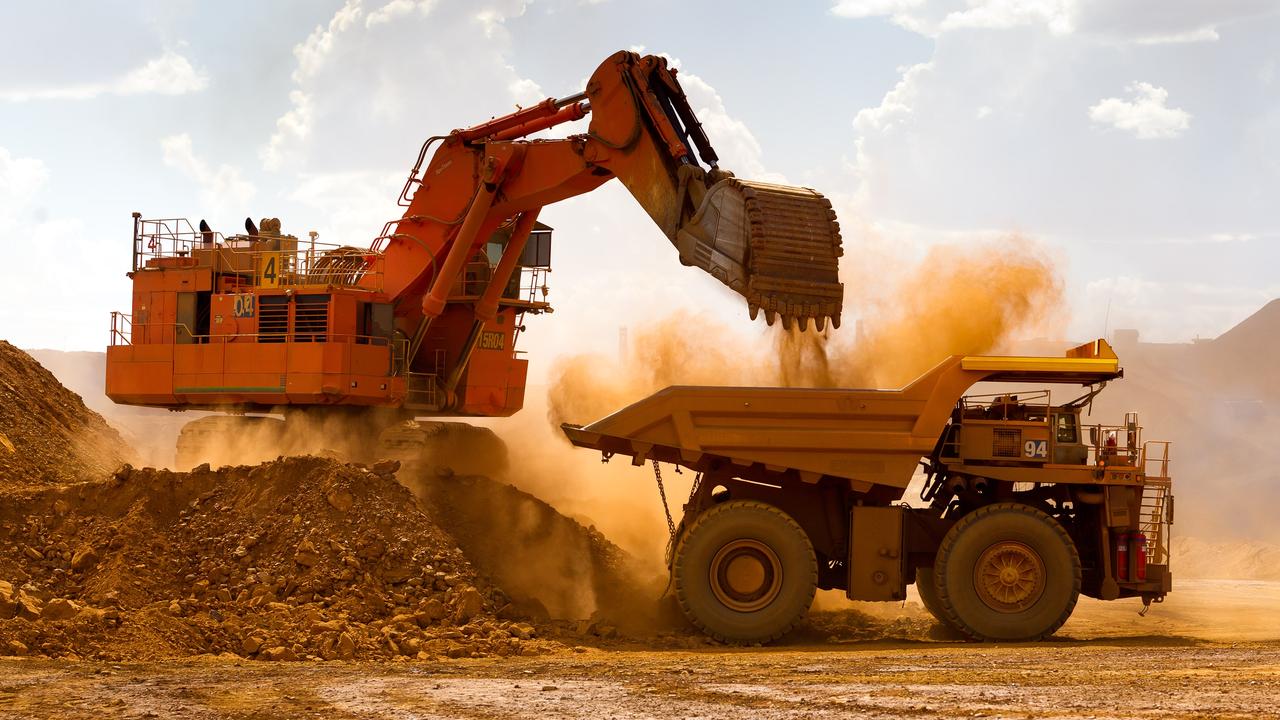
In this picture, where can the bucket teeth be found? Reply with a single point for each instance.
(777, 246)
(769, 317)
(820, 322)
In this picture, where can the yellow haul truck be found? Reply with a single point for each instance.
(799, 489)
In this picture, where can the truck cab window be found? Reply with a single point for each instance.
(1066, 432)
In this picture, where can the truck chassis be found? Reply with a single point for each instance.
(798, 489)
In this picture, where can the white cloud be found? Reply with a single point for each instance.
(398, 8)
(1137, 21)
(169, 74)
(353, 204)
(896, 106)
(21, 180)
(292, 127)
(312, 52)
(1223, 237)
(46, 243)
(222, 190)
(1146, 115)
(1203, 34)
(1056, 15)
(737, 146)
(873, 8)
(376, 72)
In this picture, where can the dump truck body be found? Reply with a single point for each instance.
(836, 462)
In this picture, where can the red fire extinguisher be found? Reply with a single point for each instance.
(1122, 556)
(1140, 552)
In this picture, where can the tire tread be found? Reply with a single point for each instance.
(682, 592)
(948, 544)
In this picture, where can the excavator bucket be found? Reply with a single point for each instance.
(777, 246)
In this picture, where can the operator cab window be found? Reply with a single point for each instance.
(1066, 428)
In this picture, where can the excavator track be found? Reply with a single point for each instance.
(436, 446)
(778, 246)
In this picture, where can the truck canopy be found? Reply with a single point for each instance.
(868, 437)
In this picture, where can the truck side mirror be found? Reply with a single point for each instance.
(1093, 435)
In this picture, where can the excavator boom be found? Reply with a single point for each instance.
(426, 320)
(777, 246)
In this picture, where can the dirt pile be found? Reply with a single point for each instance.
(1224, 560)
(298, 558)
(552, 565)
(47, 435)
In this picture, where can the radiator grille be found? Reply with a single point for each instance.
(273, 318)
(311, 318)
(1006, 442)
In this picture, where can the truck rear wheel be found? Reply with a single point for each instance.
(1007, 572)
(745, 572)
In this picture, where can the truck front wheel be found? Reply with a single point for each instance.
(745, 572)
(1007, 572)
(929, 598)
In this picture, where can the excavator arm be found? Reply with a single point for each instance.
(777, 246)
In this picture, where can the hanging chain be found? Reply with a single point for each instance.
(662, 492)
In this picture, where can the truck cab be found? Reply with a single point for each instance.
(1016, 430)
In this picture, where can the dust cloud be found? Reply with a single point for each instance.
(902, 319)
(957, 299)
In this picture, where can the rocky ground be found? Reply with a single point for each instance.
(1172, 678)
(313, 587)
(1211, 652)
(299, 558)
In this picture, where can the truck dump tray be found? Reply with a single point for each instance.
(868, 437)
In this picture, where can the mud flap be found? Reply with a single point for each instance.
(877, 563)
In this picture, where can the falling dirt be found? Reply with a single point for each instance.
(958, 299)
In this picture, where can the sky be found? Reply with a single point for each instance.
(1136, 141)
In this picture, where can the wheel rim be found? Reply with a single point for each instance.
(1009, 577)
(746, 575)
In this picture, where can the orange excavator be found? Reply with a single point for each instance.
(425, 321)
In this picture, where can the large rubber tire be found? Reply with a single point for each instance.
(719, 560)
(929, 596)
(1007, 572)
